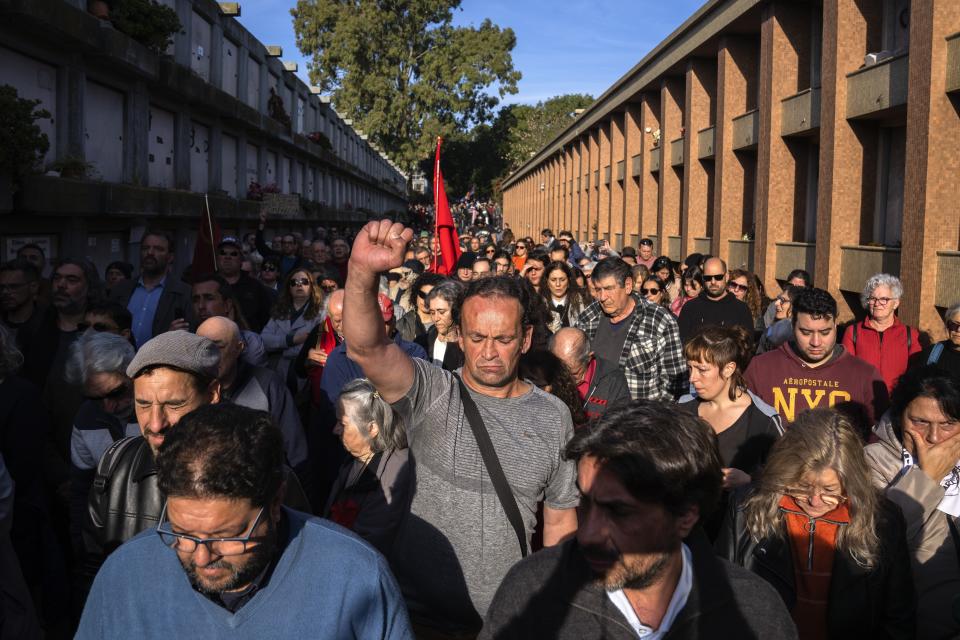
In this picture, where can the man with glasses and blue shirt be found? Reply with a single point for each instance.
(715, 306)
(254, 568)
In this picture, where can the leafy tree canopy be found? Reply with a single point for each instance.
(532, 127)
(402, 71)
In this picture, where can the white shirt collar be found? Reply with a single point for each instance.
(677, 602)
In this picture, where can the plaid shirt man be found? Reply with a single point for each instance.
(652, 357)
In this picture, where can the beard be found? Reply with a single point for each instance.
(240, 575)
(635, 575)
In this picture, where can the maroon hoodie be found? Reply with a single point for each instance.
(783, 380)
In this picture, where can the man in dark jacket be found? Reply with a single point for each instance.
(638, 565)
(600, 383)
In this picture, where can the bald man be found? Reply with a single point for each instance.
(256, 387)
(600, 383)
(715, 306)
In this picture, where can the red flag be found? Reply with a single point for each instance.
(445, 231)
(205, 250)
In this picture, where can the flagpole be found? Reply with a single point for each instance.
(213, 249)
(436, 218)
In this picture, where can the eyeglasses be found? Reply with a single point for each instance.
(216, 546)
(490, 251)
(269, 267)
(651, 292)
(99, 327)
(114, 394)
(231, 254)
(953, 326)
(736, 286)
(782, 300)
(715, 278)
(803, 493)
(299, 282)
(880, 302)
(329, 287)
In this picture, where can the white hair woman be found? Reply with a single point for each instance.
(819, 532)
(880, 338)
(372, 492)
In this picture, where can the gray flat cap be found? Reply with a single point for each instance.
(180, 350)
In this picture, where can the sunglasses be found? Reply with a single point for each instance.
(299, 282)
(329, 287)
(490, 251)
(268, 267)
(113, 394)
(651, 292)
(736, 286)
(521, 246)
(953, 326)
(713, 278)
(232, 254)
(99, 327)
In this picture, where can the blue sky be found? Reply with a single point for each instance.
(570, 46)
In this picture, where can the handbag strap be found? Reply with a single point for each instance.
(492, 463)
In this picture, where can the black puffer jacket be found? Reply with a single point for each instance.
(863, 603)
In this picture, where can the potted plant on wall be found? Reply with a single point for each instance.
(148, 22)
(73, 167)
(99, 9)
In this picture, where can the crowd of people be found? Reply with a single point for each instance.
(327, 437)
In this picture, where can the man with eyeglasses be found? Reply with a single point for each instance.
(255, 299)
(172, 374)
(157, 301)
(811, 371)
(715, 306)
(252, 566)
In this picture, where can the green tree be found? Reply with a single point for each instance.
(532, 127)
(402, 71)
(22, 143)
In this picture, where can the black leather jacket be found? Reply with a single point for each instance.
(125, 500)
(863, 603)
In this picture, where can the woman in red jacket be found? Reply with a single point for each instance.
(880, 338)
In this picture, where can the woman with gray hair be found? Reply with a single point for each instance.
(97, 363)
(372, 492)
(880, 338)
(946, 353)
(441, 342)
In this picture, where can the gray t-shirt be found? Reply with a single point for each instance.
(456, 545)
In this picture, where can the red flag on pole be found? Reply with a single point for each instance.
(208, 237)
(448, 242)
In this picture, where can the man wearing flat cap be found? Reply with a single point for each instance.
(173, 374)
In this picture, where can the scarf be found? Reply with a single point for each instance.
(950, 503)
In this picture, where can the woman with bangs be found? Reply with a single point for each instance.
(817, 530)
(295, 313)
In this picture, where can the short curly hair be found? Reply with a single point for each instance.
(222, 451)
(816, 303)
(881, 279)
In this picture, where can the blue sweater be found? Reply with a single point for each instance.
(327, 584)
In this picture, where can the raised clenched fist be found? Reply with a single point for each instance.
(380, 246)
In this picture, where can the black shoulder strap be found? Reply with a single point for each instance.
(108, 463)
(909, 341)
(492, 463)
(855, 332)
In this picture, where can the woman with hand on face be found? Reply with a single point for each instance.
(663, 269)
(824, 537)
(295, 314)
(746, 427)
(559, 289)
(373, 489)
(916, 463)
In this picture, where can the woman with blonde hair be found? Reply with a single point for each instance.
(818, 531)
(296, 312)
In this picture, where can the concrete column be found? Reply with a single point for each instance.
(75, 95)
(932, 166)
(215, 168)
(592, 224)
(700, 113)
(216, 55)
(603, 190)
(785, 50)
(671, 178)
(846, 148)
(649, 182)
(736, 72)
(182, 125)
(136, 134)
(181, 41)
(632, 135)
(576, 172)
(617, 150)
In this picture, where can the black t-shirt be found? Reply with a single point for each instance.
(608, 343)
(704, 311)
(746, 444)
(949, 359)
